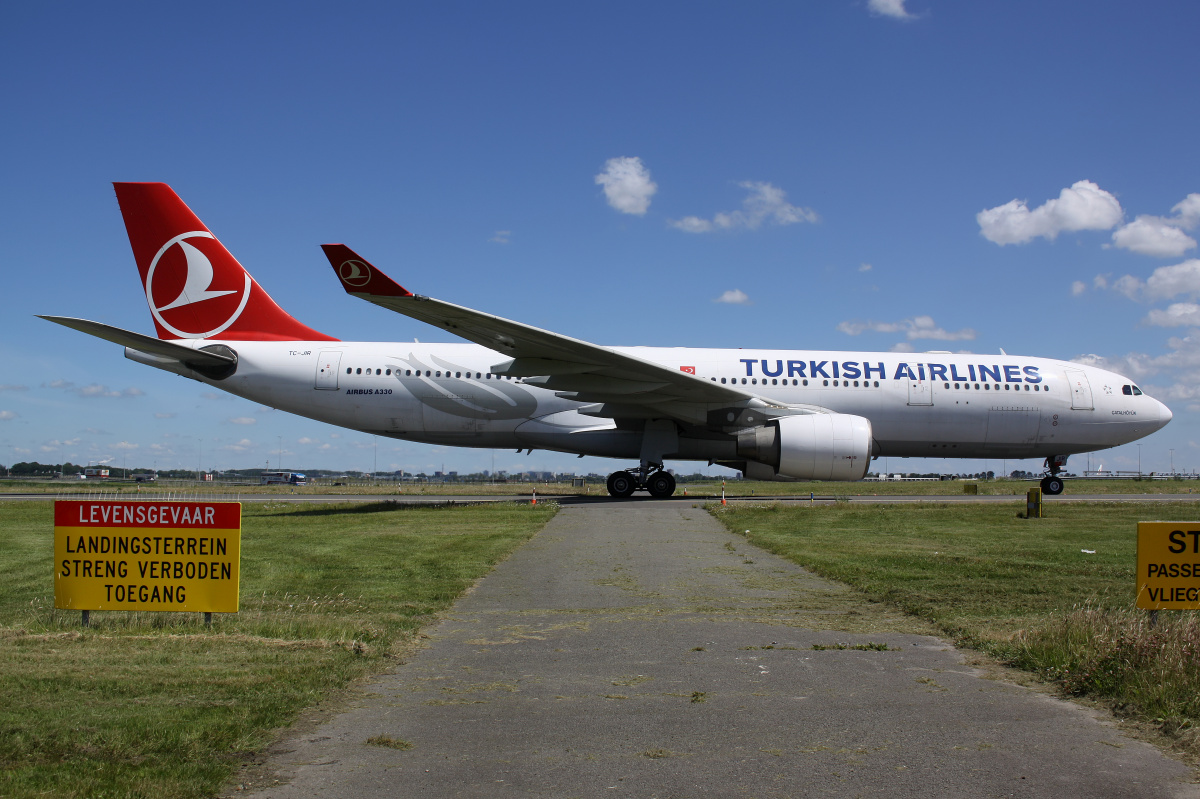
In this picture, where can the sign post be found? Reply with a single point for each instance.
(165, 556)
(1168, 566)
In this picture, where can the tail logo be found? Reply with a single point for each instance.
(354, 273)
(197, 272)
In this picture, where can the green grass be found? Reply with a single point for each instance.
(1020, 589)
(154, 704)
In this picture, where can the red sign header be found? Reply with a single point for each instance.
(208, 515)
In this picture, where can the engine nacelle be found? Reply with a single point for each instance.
(817, 446)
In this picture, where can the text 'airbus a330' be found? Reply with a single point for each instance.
(772, 414)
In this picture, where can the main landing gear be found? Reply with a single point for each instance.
(1052, 484)
(651, 477)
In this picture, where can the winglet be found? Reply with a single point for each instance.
(360, 277)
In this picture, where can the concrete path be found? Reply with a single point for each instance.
(637, 649)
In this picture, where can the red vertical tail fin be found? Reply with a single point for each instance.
(195, 288)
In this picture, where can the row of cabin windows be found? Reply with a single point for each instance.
(776, 382)
(990, 387)
(428, 373)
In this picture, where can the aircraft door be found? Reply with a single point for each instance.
(329, 363)
(920, 392)
(1081, 390)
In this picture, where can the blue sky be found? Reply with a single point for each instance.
(853, 174)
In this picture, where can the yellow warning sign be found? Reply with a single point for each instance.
(1168, 565)
(180, 556)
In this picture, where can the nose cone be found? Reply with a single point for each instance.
(1164, 415)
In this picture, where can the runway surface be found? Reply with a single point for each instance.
(638, 649)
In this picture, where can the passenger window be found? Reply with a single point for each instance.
(956, 385)
(825, 382)
(743, 381)
(347, 370)
(358, 371)
(806, 382)
(722, 381)
(408, 372)
(876, 384)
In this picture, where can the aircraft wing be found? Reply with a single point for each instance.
(615, 383)
(143, 343)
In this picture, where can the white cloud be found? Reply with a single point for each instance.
(1162, 237)
(865, 268)
(22, 451)
(501, 236)
(1177, 314)
(902, 346)
(1083, 206)
(1152, 235)
(765, 203)
(1100, 282)
(627, 185)
(93, 390)
(164, 416)
(1078, 287)
(242, 420)
(6, 415)
(125, 445)
(889, 8)
(918, 327)
(240, 446)
(305, 440)
(734, 297)
(1164, 283)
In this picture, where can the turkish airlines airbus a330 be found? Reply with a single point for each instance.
(773, 414)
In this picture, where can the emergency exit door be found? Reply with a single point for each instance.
(328, 365)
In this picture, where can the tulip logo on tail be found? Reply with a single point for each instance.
(186, 281)
(354, 273)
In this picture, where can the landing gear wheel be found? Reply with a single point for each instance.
(621, 484)
(1052, 485)
(661, 485)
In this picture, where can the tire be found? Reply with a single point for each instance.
(621, 484)
(661, 485)
(1052, 486)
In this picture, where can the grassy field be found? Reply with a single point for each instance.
(155, 705)
(1024, 590)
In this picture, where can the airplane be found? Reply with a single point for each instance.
(784, 415)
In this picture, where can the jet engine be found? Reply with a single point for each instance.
(818, 446)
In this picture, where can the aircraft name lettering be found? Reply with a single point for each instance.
(999, 373)
(1124, 413)
(368, 391)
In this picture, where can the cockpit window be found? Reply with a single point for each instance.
(1127, 390)
(1137, 392)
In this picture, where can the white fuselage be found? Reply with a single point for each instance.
(919, 404)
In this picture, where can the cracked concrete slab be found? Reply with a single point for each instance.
(638, 649)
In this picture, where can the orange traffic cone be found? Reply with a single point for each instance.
(534, 497)
(723, 495)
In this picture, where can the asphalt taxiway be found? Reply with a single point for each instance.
(639, 649)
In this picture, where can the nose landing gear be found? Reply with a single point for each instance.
(651, 477)
(1052, 484)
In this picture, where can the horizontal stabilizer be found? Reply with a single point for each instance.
(143, 343)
